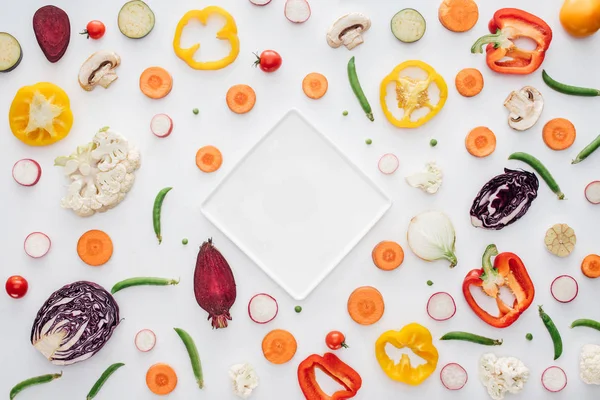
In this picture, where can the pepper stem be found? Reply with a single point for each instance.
(495, 38)
(486, 260)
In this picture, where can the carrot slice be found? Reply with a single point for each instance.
(590, 266)
(279, 346)
(161, 378)
(95, 247)
(156, 82)
(209, 159)
(481, 142)
(559, 134)
(240, 99)
(388, 255)
(365, 305)
(458, 15)
(469, 82)
(315, 85)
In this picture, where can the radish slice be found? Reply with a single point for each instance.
(554, 379)
(260, 2)
(441, 306)
(27, 172)
(145, 340)
(388, 164)
(297, 11)
(453, 376)
(161, 125)
(564, 288)
(37, 244)
(262, 308)
(592, 192)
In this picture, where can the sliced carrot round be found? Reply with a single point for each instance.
(279, 346)
(388, 255)
(469, 82)
(480, 142)
(458, 15)
(365, 305)
(95, 247)
(315, 85)
(240, 99)
(161, 379)
(209, 159)
(559, 134)
(590, 266)
(156, 82)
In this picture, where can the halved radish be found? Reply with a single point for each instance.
(554, 379)
(592, 192)
(297, 11)
(145, 340)
(262, 308)
(564, 288)
(441, 306)
(161, 125)
(27, 172)
(37, 244)
(260, 2)
(453, 376)
(388, 163)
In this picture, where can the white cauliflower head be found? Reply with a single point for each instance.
(101, 173)
(501, 375)
(428, 180)
(244, 379)
(589, 364)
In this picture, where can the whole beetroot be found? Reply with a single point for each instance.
(214, 284)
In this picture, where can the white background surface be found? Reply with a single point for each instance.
(170, 162)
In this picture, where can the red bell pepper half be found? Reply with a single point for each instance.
(336, 369)
(502, 55)
(508, 270)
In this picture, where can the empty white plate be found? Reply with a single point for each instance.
(295, 205)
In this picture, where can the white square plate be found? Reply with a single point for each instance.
(295, 205)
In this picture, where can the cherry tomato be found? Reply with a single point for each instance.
(94, 29)
(16, 286)
(268, 61)
(336, 340)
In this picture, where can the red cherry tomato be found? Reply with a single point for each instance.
(94, 29)
(336, 340)
(16, 286)
(268, 61)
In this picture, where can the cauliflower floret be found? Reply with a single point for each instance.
(244, 379)
(428, 180)
(589, 364)
(502, 375)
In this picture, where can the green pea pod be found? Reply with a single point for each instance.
(102, 380)
(568, 89)
(470, 337)
(194, 356)
(156, 211)
(587, 150)
(141, 281)
(553, 331)
(357, 89)
(541, 170)
(588, 323)
(37, 380)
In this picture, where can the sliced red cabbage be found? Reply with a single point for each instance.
(75, 323)
(504, 199)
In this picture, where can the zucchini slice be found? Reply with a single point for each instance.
(408, 25)
(11, 53)
(136, 19)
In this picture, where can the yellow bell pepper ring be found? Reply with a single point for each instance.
(415, 337)
(412, 94)
(228, 32)
(40, 114)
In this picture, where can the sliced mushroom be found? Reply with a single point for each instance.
(348, 30)
(525, 108)
(99, 69)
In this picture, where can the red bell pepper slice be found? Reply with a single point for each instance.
(502, 55)
(334, 367)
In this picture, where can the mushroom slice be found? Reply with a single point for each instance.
(525, 108)
(99, 69)
(348, 30)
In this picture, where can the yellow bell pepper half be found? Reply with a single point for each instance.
(415, 337)
(40, 114)
(413, 94)
(228, 32)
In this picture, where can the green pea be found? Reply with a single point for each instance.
(529, 336)
(184, 241)
(195, 111)
(429, 283)
(368, 141)
(345, 113)
(298, 309)
(433, 142)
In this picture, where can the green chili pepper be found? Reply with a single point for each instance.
(587, 150)
(541, 170)
(529, 336)
(553, 331)
(470, 337)
(194, 356)
(160, 197)
(568, 89)
(298, 309)
(357, 89)
(102, 380)
(588, 323)
(141, 281)
(19, 387)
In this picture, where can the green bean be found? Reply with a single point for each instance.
(470, 337)
(357, 89)
(540, 169)
(588, 323)
(568, 89)
(587, 150)
(19, 387)
(102, 380)
(553, 331)
(193, 353)
(141, 281)
(156, 210)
